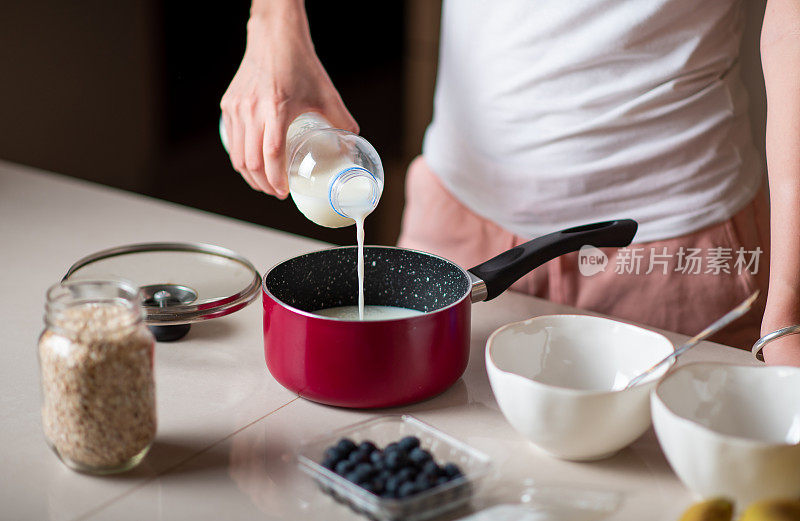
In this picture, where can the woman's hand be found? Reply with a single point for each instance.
(280, 77)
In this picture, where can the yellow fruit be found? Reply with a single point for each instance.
(772, 510)
(719, 509)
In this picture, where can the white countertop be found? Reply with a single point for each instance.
(226, 429)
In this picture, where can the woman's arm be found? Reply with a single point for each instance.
(280, 77)
(780, 58)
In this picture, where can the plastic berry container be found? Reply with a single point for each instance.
(384, 430)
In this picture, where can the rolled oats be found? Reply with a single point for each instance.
(99, 409)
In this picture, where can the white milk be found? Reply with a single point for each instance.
(354, 199)
(334, 182)
(370, 313)
(360, 242)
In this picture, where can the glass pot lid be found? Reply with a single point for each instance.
(181, 282)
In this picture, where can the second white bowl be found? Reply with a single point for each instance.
(559, 381)
(731, 430)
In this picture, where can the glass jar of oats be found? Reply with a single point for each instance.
(96, 363)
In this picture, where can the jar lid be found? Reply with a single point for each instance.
(181, 283)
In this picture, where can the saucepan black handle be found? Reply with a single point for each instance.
(500, 272)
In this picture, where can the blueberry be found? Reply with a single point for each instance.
(430, 467)
(409, 443)
(364, 467)
(333, 454)
(367, 446)
(329, 463)
(441, 480)
(391, 447)
(358, 457)
(378, 485)
(376, 456)
(361, 473)
(406, 474)
(395, 460)
(345, 446)
(419, 456)
(424, 481)
(406, 489)
(452, 471)
(393, 484)
(344, 467)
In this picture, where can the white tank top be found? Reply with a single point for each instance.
(554, 113)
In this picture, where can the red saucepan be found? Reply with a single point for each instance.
(385, 363)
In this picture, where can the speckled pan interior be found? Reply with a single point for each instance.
(392, 277)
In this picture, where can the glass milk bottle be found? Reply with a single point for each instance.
(335, 176)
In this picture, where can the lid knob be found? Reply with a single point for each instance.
(163, 296)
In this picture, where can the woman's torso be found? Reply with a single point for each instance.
(550, 114)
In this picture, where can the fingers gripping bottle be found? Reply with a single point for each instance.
(335, 176)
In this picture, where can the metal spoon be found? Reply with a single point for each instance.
(721, 322)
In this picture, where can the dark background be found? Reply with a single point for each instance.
(126, 93)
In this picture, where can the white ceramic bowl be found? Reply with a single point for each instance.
(557, 379)
(731, 430)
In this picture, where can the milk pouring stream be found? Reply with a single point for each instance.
(335, 178)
